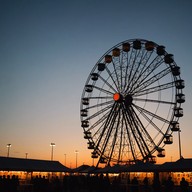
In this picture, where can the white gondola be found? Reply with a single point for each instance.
(174, 126)
(101, 66)
(168, 139)
(160, 152)
(175, 70)
(89, 88)
(90, 145)
(178, 112)
(180, 84)
(85, 123)
(85, 101)
(94, 76)
(84, 112)
(180, 97)
(94, 155)
(87, 135)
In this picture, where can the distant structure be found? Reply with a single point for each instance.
(131, 103)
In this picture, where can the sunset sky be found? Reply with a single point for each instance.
(49, 47)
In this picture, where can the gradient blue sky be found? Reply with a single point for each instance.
(47, 50)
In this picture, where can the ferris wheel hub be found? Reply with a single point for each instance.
(128, 100)
(120, 98)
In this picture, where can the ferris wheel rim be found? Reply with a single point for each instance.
(117, 95)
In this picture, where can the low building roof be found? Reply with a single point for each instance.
(142, 167)
(80, 169)
(30, 165)
(181, 165)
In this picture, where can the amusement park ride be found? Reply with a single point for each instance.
(131, 103)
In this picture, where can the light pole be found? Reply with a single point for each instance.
(179, 135)
(76, 152)
(26, 155)
(8, 147)
(65, 159)
(52, 145)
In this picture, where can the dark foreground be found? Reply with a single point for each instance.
(86, 184)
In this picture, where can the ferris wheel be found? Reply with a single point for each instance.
(131, 103)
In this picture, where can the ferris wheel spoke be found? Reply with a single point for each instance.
(121, 138)
(114, 81)
(151, 114)
(152, 123)
(106, 124)
(103, 90)
(153, 101)
(144, 62)
(152, 80)
(106, 82)
(98, 122)
(114, 136)
(154, 89)
(147, 72)
(131, 144)
(120, 63)
(99, 105)
(133, 65)
(116, 75)
(99, 97)
(108, 129)
(144, 135)
(99, 112)
(121, 71)
(157, 61)
(127, 60)
(140, 66)
(148, 140)
(134, 131)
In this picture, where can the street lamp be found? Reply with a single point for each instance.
(52, 145)
(8, 147)
(179, 136)
(26, 154)
(76, 152)
(65, 159)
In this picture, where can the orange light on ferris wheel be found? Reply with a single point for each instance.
(116, 96)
